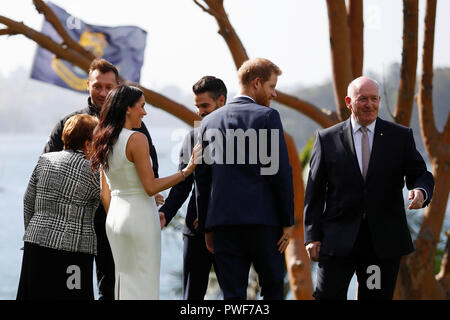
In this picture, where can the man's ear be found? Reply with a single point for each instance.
(256, 82)
(221, 101)
(348, 102)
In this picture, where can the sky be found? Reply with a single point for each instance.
(183, 43)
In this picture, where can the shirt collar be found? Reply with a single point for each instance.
(356, 125)
(245, 96)
(93, 108)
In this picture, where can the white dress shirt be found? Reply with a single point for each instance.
(245, 96)
(357, 143)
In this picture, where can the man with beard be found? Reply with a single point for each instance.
(210, 93)
(245, 206)
(103, 77)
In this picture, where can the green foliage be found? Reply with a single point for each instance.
(305, 154)
(438, 259)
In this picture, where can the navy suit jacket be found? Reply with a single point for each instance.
(180, 192)
(235, 193)
(337, 195)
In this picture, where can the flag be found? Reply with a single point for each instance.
(122, 46)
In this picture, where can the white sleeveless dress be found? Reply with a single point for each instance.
(133, 228)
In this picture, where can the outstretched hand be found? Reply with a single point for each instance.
(197, 154)
(416, 196)
(159, 198)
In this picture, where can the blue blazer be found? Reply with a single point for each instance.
(238, 191)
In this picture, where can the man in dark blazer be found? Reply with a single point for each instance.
(103, 77)
(354, 216)
(210, 93)
(245, 200)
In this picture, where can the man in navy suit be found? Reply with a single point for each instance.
(354, 214)
(210, 93)
(244, 186)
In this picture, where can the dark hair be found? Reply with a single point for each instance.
(112, 120)
(103, 66)
(256, 68)
(214, 86)
(77, 130)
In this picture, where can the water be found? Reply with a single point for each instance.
(18, 156)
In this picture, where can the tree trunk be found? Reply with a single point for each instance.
(324, 118)
(444, 275)
(340, 54)
(356, 27)
(416, 279)
(405, 99)
(297, 260)
(416, 276)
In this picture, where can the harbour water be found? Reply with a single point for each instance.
(18, 156)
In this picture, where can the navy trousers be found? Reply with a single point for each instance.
(335, 273)
(197, 263)
(236, 248)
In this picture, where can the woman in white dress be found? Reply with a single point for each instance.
(128, 186)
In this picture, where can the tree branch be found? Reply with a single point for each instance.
(356, 28)
(66, 53)
(50, 16)
(211, 12)
(340, 54)
(215, 8)
(406, 90)
(430, 134)
(444, 145)
(325, 118)
(47, 43)
(226, 30)
(444, 274)
(178, 110)
(6, 31)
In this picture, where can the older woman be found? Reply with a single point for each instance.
(59, 207)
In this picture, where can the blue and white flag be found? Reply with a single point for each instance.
(122, 46)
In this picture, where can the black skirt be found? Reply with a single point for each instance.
(52, 274)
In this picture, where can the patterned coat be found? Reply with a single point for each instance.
(60, 203)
